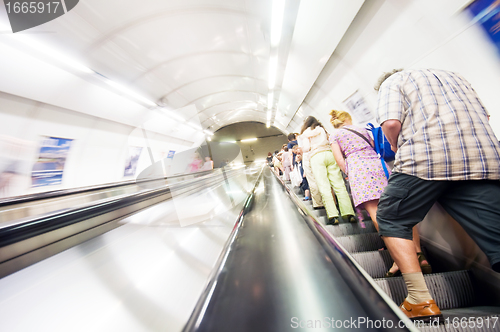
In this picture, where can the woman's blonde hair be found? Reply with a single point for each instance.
(339, 117)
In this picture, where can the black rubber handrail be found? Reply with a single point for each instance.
(31, 227)
(81, 190)
(198, 312)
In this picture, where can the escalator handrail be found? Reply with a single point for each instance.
(205, 298)
(81, 190)
(29, 227)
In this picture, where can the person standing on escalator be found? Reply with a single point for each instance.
(326, 171)
(446, 152)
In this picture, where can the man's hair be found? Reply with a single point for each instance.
(291, 137)
(385, 76)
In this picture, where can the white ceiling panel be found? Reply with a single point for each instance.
(317, 22)
(212, 55)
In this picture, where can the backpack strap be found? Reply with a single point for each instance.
(377, 150)
(360, 135)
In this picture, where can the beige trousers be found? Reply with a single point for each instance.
(313, 186)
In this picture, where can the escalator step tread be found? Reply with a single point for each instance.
(361, 242)
(376, 263)
(351, 229)
(450, 290)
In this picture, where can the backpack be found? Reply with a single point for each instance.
(382, 145)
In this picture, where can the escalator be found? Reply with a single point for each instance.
(467, 298)
(136, 269)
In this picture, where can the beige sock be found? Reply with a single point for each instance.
(417, 289)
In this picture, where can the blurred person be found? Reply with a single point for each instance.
(292, 141)
(15, 155)
(352, 148)
(286, 160)
(326, 171)
(446, 152)
(315, 195)
(207, 165)
(277, 163)
(304, 186)
(269, 159)
(195, 164)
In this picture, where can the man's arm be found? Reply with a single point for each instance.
(391, 129)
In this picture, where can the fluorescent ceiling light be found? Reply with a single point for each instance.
(53, 53)
(249, 140)
(130, 92)
(208, 132)
(229, 142)
(195, 126)
(268, 124)
(175, 116)
(273, 68)
(277, 21)
(209, 138)
(270, 100)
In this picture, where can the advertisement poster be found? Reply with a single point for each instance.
(487, 13)
(358, 109)
(134, 152)
(49, 167)
(171, 154)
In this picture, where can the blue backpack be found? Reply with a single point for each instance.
(382, 145)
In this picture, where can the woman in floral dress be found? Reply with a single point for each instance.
(357, 158)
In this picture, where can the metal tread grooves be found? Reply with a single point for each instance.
(449, 290)
(376, 263)
(351, 229)
(360, 242)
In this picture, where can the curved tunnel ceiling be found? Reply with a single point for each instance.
(213, 54)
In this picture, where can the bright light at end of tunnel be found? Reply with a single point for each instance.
(253, 139)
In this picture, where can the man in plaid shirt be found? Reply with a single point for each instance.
(446, 152)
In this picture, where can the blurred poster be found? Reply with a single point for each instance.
(487, 13)
(49, 167)
(358, 109)
(171, 154)
(134, 152)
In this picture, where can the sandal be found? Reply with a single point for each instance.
(389, 274)
(426, 268)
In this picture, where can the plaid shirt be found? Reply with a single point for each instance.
(445, 134)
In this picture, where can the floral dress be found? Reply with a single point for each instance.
(366, 175)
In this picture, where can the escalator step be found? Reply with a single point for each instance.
(351, 229)
(376, 263)
(450, 289)
(361, 242)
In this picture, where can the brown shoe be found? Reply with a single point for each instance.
(422, 311)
